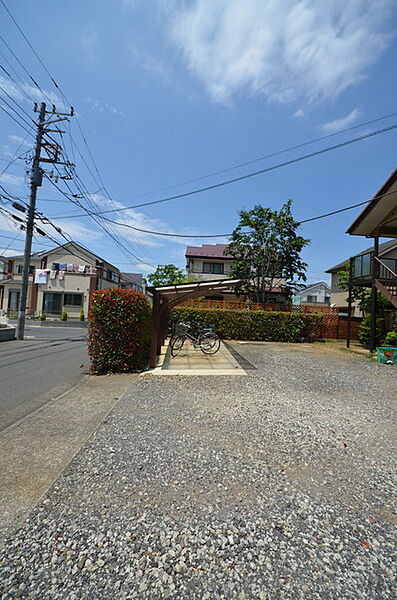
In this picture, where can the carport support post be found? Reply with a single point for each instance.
(349, 306)
(374, 297)
(155, 329)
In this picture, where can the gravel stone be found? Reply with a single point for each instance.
(278, 485)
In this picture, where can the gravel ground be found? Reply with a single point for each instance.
(278, 485)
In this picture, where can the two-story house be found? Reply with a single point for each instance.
(315, 293)
(208, 262)
(362, 265)
(60, 279)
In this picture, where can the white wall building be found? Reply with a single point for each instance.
(61, 279)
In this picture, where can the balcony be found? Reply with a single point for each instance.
(362, 268)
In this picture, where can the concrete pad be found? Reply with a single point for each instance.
(36, 450)
(192, 361)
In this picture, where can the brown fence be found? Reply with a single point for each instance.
(334, 325)
(232, 305)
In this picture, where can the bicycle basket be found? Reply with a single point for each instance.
(181, 328)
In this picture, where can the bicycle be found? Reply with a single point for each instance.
(205, 339)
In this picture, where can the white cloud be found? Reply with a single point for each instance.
(8, 179)
(145, 268)
(38, 95)
(7, 252)
(89, 41)
(99, 106)
(299, 113)
(285, 51)
(20, 141)
(72, 227)
(343, 122)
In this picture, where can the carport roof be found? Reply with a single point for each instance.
(174, 292)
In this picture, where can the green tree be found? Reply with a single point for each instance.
(266, 251)
(167, 275)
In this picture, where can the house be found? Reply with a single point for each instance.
(132, 281)
(377, 267)
(362, 263)
(209, 263)
(316, 293)
(60, 279)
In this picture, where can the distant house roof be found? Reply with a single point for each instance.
(132, 278)
(73, 248)
(207, 251)
(383, 248)
(312, 285)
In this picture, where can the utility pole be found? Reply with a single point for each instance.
(53, 150)
(35, 181)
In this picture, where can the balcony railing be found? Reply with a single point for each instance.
(362, 267)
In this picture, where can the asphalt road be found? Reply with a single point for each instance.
(41, 367)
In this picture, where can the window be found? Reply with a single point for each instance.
(20, 269)
(214, 268)
(52, 303)
(110, 275)
(327, 299)
(311, 299)
(13, 299)
(73, 299)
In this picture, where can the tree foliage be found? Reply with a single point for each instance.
(167, 275)
(266, 251)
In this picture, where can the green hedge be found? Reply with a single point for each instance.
(258, 325)
(119, 331)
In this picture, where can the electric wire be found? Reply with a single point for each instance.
(14, 119)
(255, 173)
(266, 156)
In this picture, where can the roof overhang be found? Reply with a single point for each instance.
(379, 217)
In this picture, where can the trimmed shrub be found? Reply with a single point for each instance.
(43, 316)
(64, 315)
(82, 315)
(364, 332)
(258, 325)
(119, 331)
(391, 338)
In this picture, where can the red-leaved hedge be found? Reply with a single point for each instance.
(119, 331)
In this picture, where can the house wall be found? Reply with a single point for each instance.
(321, 291)
(72, 283)
(195, 268)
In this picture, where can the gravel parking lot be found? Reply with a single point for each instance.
(278, 485)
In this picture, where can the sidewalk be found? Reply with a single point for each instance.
(36, 449)
(273, 486)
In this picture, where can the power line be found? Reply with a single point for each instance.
(187, 235)
(14, 119)
(254, 174)
(266, 156)
(14, 157)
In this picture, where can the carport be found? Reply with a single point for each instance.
(168, 296)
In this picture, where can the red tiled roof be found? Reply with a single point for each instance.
(207, 251)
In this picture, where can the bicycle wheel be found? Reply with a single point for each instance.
(209, 343)
(176, 345)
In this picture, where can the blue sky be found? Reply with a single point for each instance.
(170, 91)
